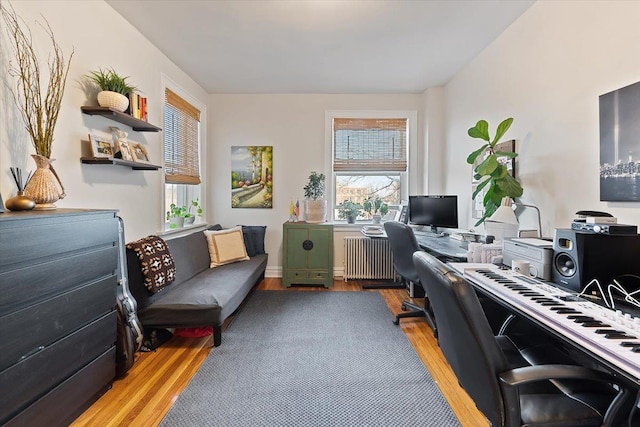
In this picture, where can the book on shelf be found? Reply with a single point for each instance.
(137, 106)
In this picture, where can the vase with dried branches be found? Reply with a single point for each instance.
(39, 108)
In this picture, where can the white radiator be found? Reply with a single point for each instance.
(366, 258)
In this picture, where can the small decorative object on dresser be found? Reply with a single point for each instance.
(20, 202)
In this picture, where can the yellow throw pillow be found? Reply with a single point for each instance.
(226, 246)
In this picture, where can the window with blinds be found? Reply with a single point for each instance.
(181, 140)
(370, 145)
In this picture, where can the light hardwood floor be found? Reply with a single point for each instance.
(145, 394)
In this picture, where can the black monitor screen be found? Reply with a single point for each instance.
(436, 211)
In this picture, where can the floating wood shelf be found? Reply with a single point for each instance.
(135, 124)
(120, 162)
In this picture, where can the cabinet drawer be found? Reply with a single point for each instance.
(23, 332)
(37, 374)
(29, 285)
(319, 275)
(68, 400)
(297, 275)
(33, 240)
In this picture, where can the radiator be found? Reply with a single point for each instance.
(366, 258)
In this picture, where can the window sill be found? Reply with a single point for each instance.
(187, 229)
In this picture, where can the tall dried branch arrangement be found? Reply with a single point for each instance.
(39, 114)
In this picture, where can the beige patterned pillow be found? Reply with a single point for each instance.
(226, 246)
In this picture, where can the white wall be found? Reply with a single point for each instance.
(295, 126)
(547, 71)
(101, 39)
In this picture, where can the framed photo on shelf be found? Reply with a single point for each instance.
(125, 150)
(139, 153)
(101, 146)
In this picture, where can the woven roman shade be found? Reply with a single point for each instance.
(181, 135)
(370, 145)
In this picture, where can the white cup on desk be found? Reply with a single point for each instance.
(524, 267)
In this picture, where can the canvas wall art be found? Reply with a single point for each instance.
(252, 177)
(620, 145)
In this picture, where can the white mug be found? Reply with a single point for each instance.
(524, 267)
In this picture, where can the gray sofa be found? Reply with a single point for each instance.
(199, 296)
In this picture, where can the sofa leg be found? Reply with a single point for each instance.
(217, 335)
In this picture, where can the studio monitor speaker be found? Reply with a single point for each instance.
(579, 257)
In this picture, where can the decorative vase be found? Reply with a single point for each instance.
(114, 100)
(315, 211)
(44, 187)
(20, 202)
(176, 222)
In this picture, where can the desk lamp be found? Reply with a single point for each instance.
(503, 223)
(516, 205)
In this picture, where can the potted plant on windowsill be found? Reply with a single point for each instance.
(376, 208)
(349, 211)
(176, 215)
(492, 173)
(190, 218)
(115, 89)
(315, 204)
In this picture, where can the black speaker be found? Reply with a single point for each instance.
(579, 257)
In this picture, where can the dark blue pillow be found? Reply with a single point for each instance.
(254, 239)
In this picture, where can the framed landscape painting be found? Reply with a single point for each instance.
(620, 145)
(252, 176)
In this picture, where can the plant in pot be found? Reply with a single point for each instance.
(176, 215)
(491, 172)
(376, 208)
(315, 204)
(114, 88)
(39, 107)
(190, 218)
(349, 211)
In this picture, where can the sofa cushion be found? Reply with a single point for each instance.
(226, 246)
(156, 262)
(253, 236)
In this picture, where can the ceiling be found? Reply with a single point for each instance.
(320, 46)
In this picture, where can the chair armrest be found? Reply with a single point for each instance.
(528, 374)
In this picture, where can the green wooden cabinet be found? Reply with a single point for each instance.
(307, 254)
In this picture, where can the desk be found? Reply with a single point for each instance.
(442, 246)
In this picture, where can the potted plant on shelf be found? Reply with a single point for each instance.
(315, 204)
(190, 218)
(114, 89)
(492, 173)
(349, 211)
(176, 215)
(376, 208)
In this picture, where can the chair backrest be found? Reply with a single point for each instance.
(464, 335)
(403, 244)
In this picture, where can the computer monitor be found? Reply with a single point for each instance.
(434, 211)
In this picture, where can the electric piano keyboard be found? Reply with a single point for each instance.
(613, 336)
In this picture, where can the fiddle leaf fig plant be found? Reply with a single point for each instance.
(492, 172)
(314, 189)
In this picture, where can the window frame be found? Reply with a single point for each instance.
(186, 192)
(408, 179)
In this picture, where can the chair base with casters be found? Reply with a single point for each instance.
(416, 311)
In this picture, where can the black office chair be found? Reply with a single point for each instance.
(403, 244)
(494, 373)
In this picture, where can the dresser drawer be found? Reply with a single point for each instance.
(29, 285)
(297, 275)
(25, 331)
(75, 395)
(37, 374)
(319, 275)
(33, 240)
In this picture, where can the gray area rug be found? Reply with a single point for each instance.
(312, 359)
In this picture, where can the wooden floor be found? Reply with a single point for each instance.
(145, 394)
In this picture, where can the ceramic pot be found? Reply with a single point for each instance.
(114, 100)
(176, 222)
(44, 187)
(20, 202)
(189, 220)
(377, 218)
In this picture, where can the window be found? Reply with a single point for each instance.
(182, 135)
(369, 160)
